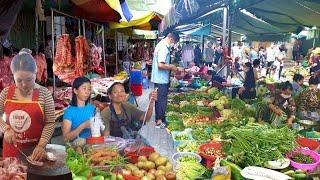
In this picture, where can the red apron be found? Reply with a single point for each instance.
(26, 118)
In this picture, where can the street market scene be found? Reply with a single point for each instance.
(159, 89)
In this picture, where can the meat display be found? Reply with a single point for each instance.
(12, 169)
(82, 56)
(63, 57)
(95, 54)
(62, 98)
(67, 67)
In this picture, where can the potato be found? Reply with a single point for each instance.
(168, 167)
(143, 171)
(151, 176)
(149, 165)
(138, 173)
(145, 178)
(140, 165)
(161, 161)
(154, 156)
(132, 167)
(152, 171)
(163, 168)
(170, 175)
(142, 158)
(161, 178)
(159, 173)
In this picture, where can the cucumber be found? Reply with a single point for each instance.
(299, 171)
(289, 173)
(300, 176)
(235, 169)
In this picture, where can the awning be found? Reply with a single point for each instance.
(9, 10)
(141, 20)
(102, 10)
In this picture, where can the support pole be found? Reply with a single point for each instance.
(224, 27)
(37, 32)
(116, 39)
(79, 27)
(52, 50)
(230, 32)
(84, 28)
(104, 53)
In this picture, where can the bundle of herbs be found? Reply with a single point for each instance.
(255, 144)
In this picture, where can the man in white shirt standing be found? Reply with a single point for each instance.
(271, 56)
(160, 76)
(187, 54)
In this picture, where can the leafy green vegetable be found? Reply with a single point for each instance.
(176, 126)
(187, 159)
(302, 158)
(254, 144)
(188, 147)
(200, 135)
(181, 137)
(77, 164)
(190, 170)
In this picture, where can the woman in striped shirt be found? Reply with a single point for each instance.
(26, 110)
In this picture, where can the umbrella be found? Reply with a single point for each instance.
(102, 10)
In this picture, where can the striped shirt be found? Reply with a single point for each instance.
(47, 105)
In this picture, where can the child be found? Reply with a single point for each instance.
(78, 117)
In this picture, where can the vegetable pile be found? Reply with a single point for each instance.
(188, 147)
(302, 158)
(153, 167)
(254, 144)
(190, 170)
(187, 159)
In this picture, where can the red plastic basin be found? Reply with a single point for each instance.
(133, 155)
(309, 143)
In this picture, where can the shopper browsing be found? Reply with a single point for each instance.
(27, 110)
(122, 119)
(161, 68)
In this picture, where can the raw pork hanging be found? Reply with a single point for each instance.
(96, 56)
(67, 67)
(82, 56)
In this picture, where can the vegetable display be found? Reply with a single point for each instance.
(181, 137)
(213, 152)
(187, 159)
(254, 144)
(302, 158)
(200, 135)
(152, 167)
(190, 170)
(188, 147)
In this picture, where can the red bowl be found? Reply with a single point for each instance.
(209, 160)
(133, 155)
(309, 143)
(95, 140)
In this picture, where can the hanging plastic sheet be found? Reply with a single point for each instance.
(9, 10)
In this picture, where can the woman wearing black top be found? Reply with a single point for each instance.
(248, 90)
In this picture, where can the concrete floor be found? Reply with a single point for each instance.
(160, 139)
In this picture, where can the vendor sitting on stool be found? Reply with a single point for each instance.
(282, 104)
(122, 119)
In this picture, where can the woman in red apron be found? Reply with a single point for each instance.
(24, 122)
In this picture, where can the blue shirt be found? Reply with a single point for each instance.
(78, 115)
(253, 55)
(161, 55)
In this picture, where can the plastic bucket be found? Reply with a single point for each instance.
(135, 77)
(136, 89)
(308, 167)
(209, 160)
(133, 155)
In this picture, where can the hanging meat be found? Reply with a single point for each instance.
(63, 57)
(67, 67)
(95, 55)
(82, 56)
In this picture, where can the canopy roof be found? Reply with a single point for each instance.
(254, 18)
